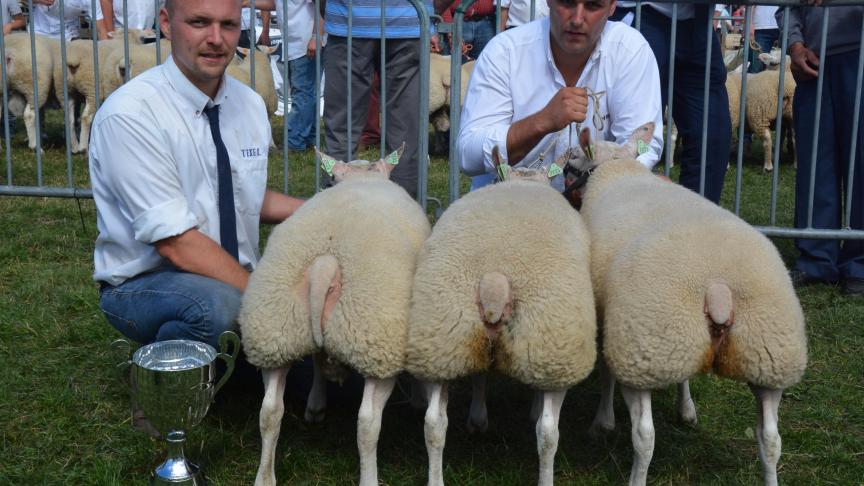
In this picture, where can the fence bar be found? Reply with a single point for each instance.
(44, 191)
(638, 21)
(821, 234)
(68, 128)
(283, 26)
(94, 35)
(318, 87)
(709, 44)
(423, 133)
(850, 175)
(6, 135)
(669, 99)
(158, 35)
(350, 148)
(36, 105)
(818, 113)
(126, 39)
(456, 99)
(253, 42)
(742, 112)
(382, 86)
(775, 179)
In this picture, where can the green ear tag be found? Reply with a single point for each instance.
(393, 158)
(503, 172)
(327, 165)
(554, 170)
(641, 147)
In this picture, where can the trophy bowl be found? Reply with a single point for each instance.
(172, 382)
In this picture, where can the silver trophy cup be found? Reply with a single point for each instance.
(173, 384)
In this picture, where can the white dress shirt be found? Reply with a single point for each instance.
(516, 77)
(153, 168)
(46, 20)
(685, 10)
(297, 30)
(141, 13)
(9, 9)
(519, 11)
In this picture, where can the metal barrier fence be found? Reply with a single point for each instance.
(772, 229)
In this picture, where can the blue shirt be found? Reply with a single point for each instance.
(401, 18)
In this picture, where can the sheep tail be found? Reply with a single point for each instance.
(495, 301)
(324, 277)
(719, 311)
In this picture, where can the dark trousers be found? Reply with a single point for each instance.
(402, 95)
(688, 94)
(828, 259)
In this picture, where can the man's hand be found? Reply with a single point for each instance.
(434, 44)
(311, 48)
(805, 63)
(567, 106)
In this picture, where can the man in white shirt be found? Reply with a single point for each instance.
(519, 12)
(46, 18)
(529, 92)
(140, 14)
(12, 17)
(178, 163)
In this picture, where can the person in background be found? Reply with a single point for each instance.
(519, 12)
(247, 25)
(764, 32)
(12, 17)
(46, 18)
(827, 260)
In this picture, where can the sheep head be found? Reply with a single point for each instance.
(536, 173)
(359, 168)
(772, 59)
(589, 155)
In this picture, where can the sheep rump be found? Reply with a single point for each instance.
(374, 230)
(549, 342)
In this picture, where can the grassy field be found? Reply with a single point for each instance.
(65, 413)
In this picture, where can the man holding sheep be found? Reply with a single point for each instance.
(534, 86)
(178, 164)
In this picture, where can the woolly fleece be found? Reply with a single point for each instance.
(656, 247)
(375, 230)
(528, 232)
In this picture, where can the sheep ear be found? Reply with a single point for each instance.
(327, 162)
(244, 51)
(393, 158)
(266, 49)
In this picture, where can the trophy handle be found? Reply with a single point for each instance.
(227, 340)
(125, 347)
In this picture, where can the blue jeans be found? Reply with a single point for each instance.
(765, 38)
(688, 93)
(827, 259)
(478, 33)
(169, 304)
(301, 121)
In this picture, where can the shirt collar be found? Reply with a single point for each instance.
(547, 40)
(189, 92)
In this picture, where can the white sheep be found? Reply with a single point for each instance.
(336, 277)
(141, 58)
(439, 96)
(264, 84)
(685, 287)
(494, 289)
(22, 98)
(762, 103)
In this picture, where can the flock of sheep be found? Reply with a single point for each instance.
(658, 283)
(80, 76)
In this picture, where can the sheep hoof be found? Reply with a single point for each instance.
(314, 416)
(477, 426)
(600, 429)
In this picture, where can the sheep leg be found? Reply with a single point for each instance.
(375, 395)
(30, 124)
(316, 403)
(70, 123)
(767, 402)
(604, 420)
(478, 419)
(435, 432)
(547, 435)
(642, 432)
(272, 409)
(686, 407)
(86, 120)
(767, 149)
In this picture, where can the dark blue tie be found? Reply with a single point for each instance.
(227, 219)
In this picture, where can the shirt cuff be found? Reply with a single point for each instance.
(170, 218)
(497, 136)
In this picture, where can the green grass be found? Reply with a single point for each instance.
(65, 413)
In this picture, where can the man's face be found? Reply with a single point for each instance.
(576, 24)
(204, 34)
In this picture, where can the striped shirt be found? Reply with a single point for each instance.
(401, 18)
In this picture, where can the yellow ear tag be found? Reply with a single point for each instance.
(554, 170)
(589, 151)
(503, 172)
(641, 147)
(327, 165)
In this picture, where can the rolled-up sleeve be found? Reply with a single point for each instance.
(143, 177)
(488, 112)
(636, 101)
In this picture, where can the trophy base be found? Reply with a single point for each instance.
(176, 470)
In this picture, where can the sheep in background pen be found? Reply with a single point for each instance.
(22, 98)
(685, 287)
(240, 69)
(439, 98)
(503, 283)
(336, 277)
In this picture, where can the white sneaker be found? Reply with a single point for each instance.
(280, 109)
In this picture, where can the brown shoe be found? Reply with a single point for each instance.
(140, 422)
